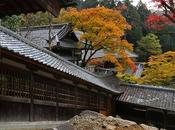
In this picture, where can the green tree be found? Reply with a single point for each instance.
(36, 19)
(144, 13)
(167, 38)
(147, 46)
(133, 18)
(83, 4)
(108, 3)
(12, 22)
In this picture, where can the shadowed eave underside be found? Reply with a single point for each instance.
(11, 7)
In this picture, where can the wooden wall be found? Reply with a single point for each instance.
(151, 116)
(27, 96)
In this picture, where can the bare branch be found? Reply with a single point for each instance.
(85, 63)
(170, 7)
(166, 14)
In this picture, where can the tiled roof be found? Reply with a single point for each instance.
(101, 53)
(17, 44)
(40, 35)
(154, 97)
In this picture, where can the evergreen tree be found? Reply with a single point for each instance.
(167, 38)
(147, 46)
(83, 4)
(133, 18)
(144, 13)
(108, 3)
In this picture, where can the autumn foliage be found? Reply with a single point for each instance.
(101, 28)
(160, 70)
(158, 22)
(165, 17)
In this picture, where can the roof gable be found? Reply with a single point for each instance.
(59, 33)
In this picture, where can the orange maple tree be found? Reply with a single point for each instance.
(101, 28)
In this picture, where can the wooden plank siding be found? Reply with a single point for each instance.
(40, 92)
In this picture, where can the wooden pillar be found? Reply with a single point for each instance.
(31, 110)
(109, 104)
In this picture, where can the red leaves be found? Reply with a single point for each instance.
(167, 8)
(157, 22)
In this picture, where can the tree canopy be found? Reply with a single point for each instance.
(101, 28)
(13, 22)
(133, 18)
(160, 70)
(166, 15)
(147, 46)
(168, 8)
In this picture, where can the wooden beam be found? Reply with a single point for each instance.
(52, 6)
(14, 99)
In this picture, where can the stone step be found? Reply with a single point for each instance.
(39, 125)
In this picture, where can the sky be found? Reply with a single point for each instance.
(149, 4)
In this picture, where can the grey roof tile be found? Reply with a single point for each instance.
(155, 97)
(40, 35)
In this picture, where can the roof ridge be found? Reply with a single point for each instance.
(14, 34)
(149, 87)
(62, 31)
(43, 26)
(56, 35)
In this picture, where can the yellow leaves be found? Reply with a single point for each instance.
(101, 22)
(160, 70)
(128, 78)
(166, 57)
(128, 45)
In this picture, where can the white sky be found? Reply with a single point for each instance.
(149, 4)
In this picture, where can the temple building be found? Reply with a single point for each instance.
(39, 85)
(64, 41)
